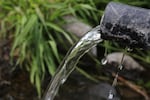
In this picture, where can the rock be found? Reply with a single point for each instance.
(131, 69)
(128, 62)
(100, 92)
(78, 87)
(75, 26)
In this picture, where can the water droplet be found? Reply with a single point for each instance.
(110, 96)
(104, 61)
(129, 49)
(120, 67)
(63, 80)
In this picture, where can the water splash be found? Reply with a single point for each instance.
(104, 61)
(111, 95)
(88, 41)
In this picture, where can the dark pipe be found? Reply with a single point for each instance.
(127, 25)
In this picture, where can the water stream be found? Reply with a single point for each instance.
(120, 67)
(88, 41)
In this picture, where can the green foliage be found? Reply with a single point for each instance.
(34, 25)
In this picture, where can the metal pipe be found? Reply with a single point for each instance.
(127, 25)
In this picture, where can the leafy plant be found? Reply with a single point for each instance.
(37, 34)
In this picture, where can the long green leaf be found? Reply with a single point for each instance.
(54, 49)
(57, 28)
(38, 84)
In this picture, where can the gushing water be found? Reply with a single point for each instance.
(92, 38)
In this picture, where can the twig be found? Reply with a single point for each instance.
(134, 87)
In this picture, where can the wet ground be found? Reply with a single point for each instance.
(14, 81)
(16, 86)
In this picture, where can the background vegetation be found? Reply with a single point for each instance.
(34, 27)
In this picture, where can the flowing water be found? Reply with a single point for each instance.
(120, 67)
(88, 41)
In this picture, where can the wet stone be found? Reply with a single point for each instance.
(101, 92)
